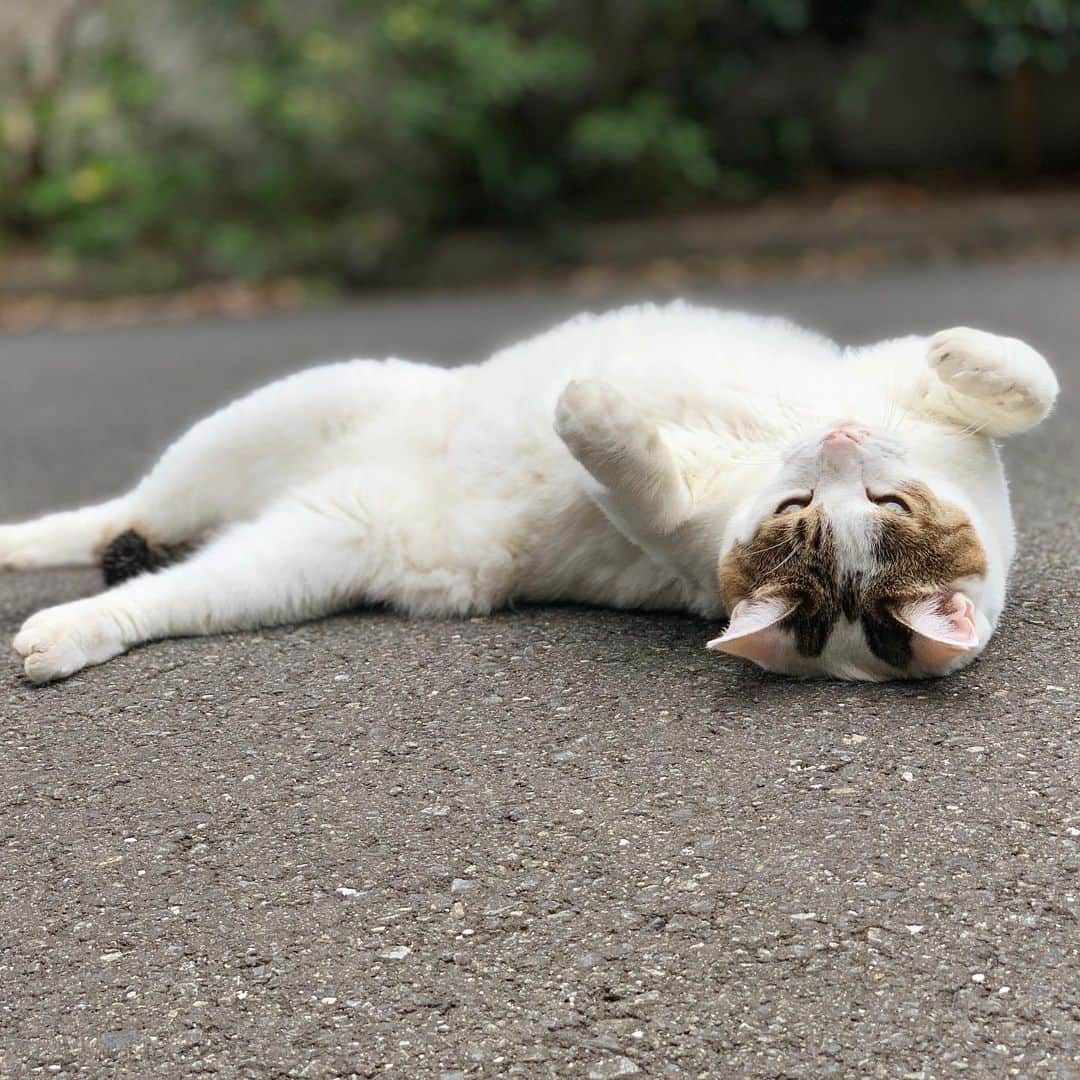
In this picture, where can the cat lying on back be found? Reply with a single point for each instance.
(846, 508)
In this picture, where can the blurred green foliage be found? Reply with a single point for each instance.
(338, 136)
(1004, 35)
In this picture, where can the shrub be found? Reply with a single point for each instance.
(255, 137)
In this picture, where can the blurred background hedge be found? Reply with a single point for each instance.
(252, 138)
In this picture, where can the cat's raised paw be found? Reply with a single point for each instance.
(978, 365)
(594, 416)
(60, 641)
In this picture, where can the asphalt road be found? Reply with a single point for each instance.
(556, 842)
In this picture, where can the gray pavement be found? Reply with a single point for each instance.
(554, 842)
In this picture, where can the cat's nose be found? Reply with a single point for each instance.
(846, 434)
(841, 455)
(840, 437)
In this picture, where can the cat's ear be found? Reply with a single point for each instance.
(942, 625)
(754, 630)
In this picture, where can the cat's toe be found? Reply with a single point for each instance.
(976, 364)
(592, 413)
(56, 643)
(49, 651)
(960, 351)
(589, 401)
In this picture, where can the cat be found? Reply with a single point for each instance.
(846, 508)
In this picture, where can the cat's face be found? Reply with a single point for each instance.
(850, 564)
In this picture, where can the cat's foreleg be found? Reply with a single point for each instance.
(997, 385)
(292, 563)
(637, 479)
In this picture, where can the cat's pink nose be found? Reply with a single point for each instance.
(849, 434)
(840, 436)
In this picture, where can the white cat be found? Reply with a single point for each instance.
(846, 507)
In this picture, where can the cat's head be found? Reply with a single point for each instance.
(856, 562)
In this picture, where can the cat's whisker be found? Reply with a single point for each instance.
(772, 547)
(893, 422)
(902, 409)
(968, 432)
(789, 557)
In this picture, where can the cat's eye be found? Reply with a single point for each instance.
(793, 506)
(894, 503)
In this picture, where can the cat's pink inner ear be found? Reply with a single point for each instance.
(943, 627)
(753, 631)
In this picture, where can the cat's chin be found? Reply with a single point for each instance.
(855, 672)
(943, 634)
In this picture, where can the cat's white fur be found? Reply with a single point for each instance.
(610, 461)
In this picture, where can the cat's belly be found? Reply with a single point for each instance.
(577, 555)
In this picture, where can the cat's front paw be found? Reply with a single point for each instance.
(993, 377)
(593, 417)
(60, 641)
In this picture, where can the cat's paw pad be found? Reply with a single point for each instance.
(978, 365)
(594, 414)
(60, 641)
(49, 649)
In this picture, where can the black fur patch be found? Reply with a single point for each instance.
(888, 639)
(813, 621)
(129, 555)
(812, 629)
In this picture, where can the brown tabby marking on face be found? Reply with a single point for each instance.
(794, 556)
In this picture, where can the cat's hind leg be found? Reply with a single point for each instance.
(69, 538)
(160, 513)
(983, 383)
(218, 471)
(213, 473)
(226, 468)
(376, 535)
(285, 566)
